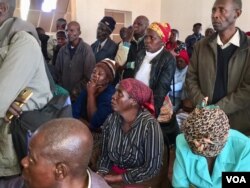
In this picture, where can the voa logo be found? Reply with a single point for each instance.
(235, 179)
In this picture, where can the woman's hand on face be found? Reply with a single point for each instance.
(93, 88)
(113, 178)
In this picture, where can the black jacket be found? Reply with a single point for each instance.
(161, 75)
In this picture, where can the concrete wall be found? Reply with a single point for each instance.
(181, 14)
(90, 12)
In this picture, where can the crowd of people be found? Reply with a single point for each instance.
(114, 138)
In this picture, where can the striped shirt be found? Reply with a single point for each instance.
(139, 151)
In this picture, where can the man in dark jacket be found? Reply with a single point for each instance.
(75, 62)
(136, 44)
(224, 74)
(105, 47)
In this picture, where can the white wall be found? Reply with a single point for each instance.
(90, 12)
(181, 14)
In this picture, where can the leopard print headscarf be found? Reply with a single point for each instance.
(206, 130)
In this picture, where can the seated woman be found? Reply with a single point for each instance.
(182, 61)
(132, 146)
(207, 148)
(94, 103)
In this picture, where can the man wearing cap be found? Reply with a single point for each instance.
(105, 47)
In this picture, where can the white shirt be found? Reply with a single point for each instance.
(235, 40)
(143, 73)
(89, 177)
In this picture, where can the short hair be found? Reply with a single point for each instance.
(61, 20)
(176, 31)
(40, 30)
(67, 140)
(197, 24)
(145, 19)
(74, 23)
(238, 3)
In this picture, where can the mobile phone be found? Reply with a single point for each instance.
(23, 97)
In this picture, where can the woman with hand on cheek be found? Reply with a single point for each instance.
(94, 103)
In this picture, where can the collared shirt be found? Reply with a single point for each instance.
(235, 40)
(139, 151)
(89, 179)
(101, 44)
(143, 73)
(192, 169)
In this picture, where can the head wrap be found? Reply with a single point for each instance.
(184, 55)
(108, 66)
(206, 130)
(140, 92)
(162, 29)
(109, 21)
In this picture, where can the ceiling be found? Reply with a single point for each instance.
(44, 19)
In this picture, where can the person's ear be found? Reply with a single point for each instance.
(238, 13)
(133, 102)
(61, 171)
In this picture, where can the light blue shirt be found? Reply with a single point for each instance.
(192, 170)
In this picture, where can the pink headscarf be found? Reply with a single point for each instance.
(184, 55)
(141, 93)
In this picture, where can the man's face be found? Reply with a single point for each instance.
(140, 26)
(180, 63)
(73, 32)
(197, 29)
(224, 15)
(38, 172)
(173, 37)
(103, 32)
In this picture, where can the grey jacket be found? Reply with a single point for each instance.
(74, 73)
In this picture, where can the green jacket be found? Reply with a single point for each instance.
(201, 75)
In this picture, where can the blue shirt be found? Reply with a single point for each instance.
(104, 108)
(192, 169)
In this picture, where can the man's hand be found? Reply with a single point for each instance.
(128, 34)
(14, 110)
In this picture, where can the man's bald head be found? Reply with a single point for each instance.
(68, 141)
(140, 25)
